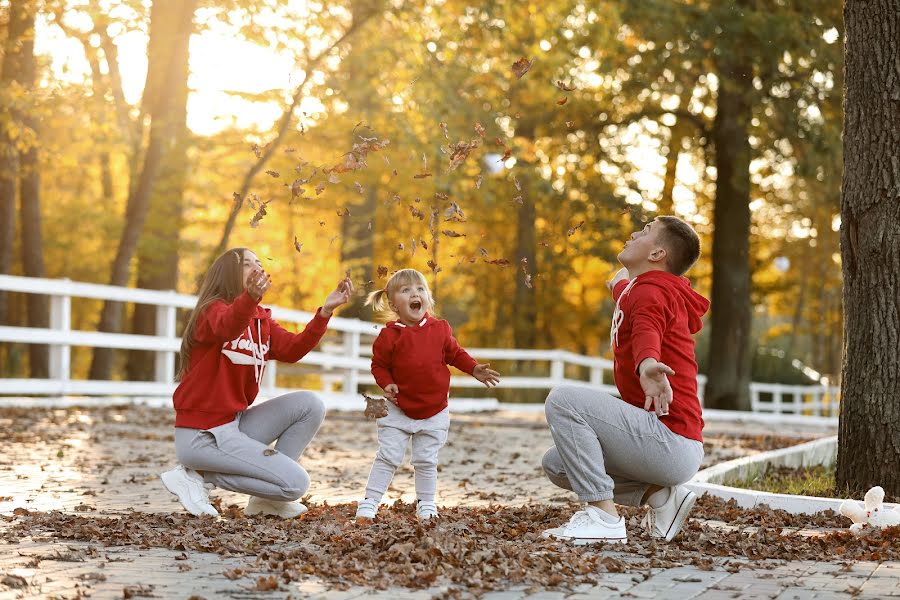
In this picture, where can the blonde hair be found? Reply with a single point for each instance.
(380, 299)
(223, 281)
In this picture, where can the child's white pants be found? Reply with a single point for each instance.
(394, 434)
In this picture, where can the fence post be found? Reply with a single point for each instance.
(557, 368)
(268, 383)
(61, 321)
(596, 375)
(754, 399)
(351, 350)
(776, 401)
(164, 361)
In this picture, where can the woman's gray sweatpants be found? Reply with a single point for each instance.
(608, 449)
(236, 456)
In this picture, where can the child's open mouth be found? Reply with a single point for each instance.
(415, 305)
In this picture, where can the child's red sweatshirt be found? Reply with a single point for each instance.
(656, 315)
(416, 358)
(231, 345)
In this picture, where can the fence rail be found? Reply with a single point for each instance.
(341, 366)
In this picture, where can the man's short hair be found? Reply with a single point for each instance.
(681, 242)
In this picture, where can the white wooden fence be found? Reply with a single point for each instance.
(342, 366)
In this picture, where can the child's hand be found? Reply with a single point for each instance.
(620, 275)
(655, 383)
(258, 284)
(486, 375)
(340, 295)
(391, 391)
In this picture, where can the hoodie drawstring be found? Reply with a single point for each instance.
(259, 358)
(618, 316)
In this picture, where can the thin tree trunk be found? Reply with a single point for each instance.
(666, 202)
(171, 25)
(869, 430)
(730, 361)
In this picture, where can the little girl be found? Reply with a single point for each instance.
(409, 362)
(219, 439)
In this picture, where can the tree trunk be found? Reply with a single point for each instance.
(38, 306)
(10, 118)
(171, 25)
(728, 386)
(869, 430)
(666, 202)
(358, 248)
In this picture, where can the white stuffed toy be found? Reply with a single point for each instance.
(873, 514)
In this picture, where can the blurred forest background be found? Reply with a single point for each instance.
(139, 139)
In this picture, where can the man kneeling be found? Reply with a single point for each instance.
(640, 449)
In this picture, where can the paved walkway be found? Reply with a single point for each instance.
(106, 461)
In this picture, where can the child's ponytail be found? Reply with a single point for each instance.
(378, 299)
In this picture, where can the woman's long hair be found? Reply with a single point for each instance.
(223, 281)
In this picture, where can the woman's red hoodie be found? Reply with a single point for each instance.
(231, 345)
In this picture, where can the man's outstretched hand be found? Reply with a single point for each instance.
(655, 383)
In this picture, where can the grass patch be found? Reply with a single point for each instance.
(806, 481)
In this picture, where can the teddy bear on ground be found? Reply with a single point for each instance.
(874, 514)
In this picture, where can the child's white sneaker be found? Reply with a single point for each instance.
(192, 491)
(366, 509)
(285, 510)
(426, 510)
(666, 521)
(589, 527)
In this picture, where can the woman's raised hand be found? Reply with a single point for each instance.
(341, 295)
(258, 283)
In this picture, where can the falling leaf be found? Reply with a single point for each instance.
(564, 87)
(519, 200)
(396, 198)
(452, 234)
(443, 127)
(237, 198)
(500, 262)
(260, 213)
(321, 223)
(460, 151)
(521, 66)
(421, 175)
(478, 181)
(506, 155)
(574, 229)
(273, 173)
(297, 245)
(479, 129)
(359, 187)
(256, 150)
(375, 407)
(524, 262)
(382, 271)
(454, 213)
(424, 244)
(415, 244)
(482, 252)
(562, 101)
(433, 266)
(369, 226)
(570, 124)
(320, 188)
(517, 184)
(333, 178)
(343, 212)
(417, 213)
(400, 246)
(290, 150)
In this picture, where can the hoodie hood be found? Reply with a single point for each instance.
(695, 304)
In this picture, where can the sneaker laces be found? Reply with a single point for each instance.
(582, 517)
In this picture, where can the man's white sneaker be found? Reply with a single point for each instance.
(192, 491)
(426, 510)
(285, 510)
(366, 509)
(666, 521)
(588, 527)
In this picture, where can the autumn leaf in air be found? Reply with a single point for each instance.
(434, 266)
(521, 66)
(500, 262)
(460, 151)
(382, 271)
(572, 230)
(562, 100)
(446, 131)
(454, 213)
(297, 245)
(273, 173)
(452, 234)
(479, 129)
(564, 87)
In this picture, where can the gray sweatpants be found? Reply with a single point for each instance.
(236, 456)
(394, 434)
(608, 449)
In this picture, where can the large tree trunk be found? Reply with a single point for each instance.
(171, 25)
(30, 207)
(869, 431)
(728, 384)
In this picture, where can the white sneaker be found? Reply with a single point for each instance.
(426, 510)
(588, 527)
(192, 491)
(667, 520)
(366, 509)
(285, 510)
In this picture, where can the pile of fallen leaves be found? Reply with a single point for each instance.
(477, 549)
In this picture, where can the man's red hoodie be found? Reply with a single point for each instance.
(231, 345)
(416, 358)
(656, 315)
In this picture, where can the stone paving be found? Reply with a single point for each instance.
(105, 461)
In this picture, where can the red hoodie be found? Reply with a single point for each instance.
(656, 315)
(416, 358)
(229, 356)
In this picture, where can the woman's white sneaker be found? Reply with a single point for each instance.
(192, 491)
(285, 510)
(426, 510)
(589, 527)
(667, 520)
(366, 510)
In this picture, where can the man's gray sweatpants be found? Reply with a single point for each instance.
(236, 456)
(608, 449)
